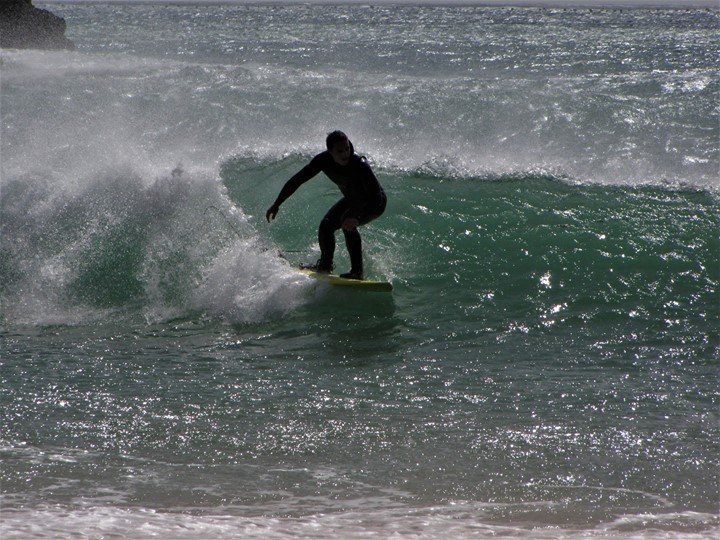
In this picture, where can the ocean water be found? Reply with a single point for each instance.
(546, 366)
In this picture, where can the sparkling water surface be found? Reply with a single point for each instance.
(546, 366)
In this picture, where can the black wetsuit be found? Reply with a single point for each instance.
(363, 199)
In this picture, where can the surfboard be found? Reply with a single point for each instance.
(357, 284)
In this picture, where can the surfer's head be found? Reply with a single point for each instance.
(340, 147)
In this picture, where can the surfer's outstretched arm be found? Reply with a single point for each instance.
(302, 176)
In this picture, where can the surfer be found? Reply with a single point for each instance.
(363, 200)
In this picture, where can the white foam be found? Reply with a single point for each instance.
(246, 284)
(59, 523)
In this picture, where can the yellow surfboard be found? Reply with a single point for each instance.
(357, 284)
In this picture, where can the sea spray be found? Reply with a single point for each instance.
(120, 242)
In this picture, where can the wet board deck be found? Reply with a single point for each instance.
(357, 284)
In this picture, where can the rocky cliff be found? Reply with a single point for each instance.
(24, 26)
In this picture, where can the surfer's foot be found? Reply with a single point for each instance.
(321, 267)
(352, 275)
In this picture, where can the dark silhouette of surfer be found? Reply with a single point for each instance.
(363, 200)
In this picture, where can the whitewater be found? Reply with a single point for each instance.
(545, 367)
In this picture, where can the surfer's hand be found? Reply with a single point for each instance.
(350, 223)
(272, 212)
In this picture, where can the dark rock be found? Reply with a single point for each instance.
(23, 26)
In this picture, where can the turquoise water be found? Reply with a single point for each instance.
(546, 366)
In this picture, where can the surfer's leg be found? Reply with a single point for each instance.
(326, 233)
(354, 247)
(374, 210)
(354, 242)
